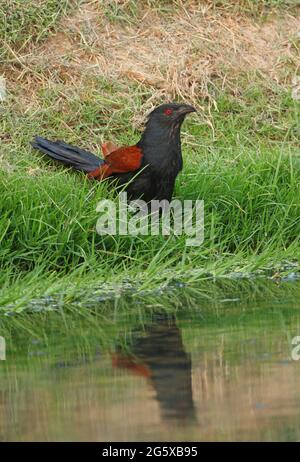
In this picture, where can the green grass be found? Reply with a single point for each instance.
(246, 170)
(23, 22)
(241, 156)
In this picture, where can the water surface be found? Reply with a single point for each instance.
(196, 365)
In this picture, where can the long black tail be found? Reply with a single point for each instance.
(69, 155)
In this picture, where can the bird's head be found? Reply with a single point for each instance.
(161, 137)
(170, 115)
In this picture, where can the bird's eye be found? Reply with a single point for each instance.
(168, 111)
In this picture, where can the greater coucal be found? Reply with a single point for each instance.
(148, 169)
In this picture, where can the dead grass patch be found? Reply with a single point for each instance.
(178, 56)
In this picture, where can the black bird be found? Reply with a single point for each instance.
(148, 169)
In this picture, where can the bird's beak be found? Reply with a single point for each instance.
(186, 109)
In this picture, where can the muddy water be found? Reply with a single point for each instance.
(213, 370)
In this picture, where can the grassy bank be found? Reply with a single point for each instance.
(218, 305)
(241, 153)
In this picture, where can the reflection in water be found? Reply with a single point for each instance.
(160, 357)
(222, 373)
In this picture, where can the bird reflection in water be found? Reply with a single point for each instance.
(160, 357)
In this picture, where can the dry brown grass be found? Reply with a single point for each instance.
(174, 56)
